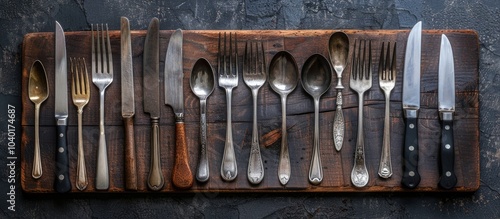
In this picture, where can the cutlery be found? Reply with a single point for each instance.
(387, 81)
(254, 76)
(361, 81)
(102, 76)
(128, 107)
(411, 105)
(316, 80)
(202, 83)
(227, 62)
(151, 93)
(446, 98)
(38, 92)
(62, 183)
(182, 177)
(80, 91)
(338, 50)
(283, 78)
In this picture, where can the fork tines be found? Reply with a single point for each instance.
(225, 56)
(387, 65)
(80, 78)
(254, 58)
(362, 60)
(101, 62)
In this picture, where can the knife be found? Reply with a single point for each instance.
(411, 105)
(151, 92)
(182, 177)
(446, 99)
(128, 107)
(62, 183)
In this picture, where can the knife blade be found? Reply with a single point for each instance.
(446, 100)
(182, 177)
(151, 92)
(62, 183)
(128, 105)
(411, 105)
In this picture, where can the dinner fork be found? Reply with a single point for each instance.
(80, 90)
(254, 75)
(102, 76)
(228, 79)
(387, 80)
(361, 81)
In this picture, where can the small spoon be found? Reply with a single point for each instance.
(283, 78)
(202, 84)
(38, 91)
(316, 79)
(338, 47)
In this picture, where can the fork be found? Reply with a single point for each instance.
(387, 80)
(80, 90)
(361, 81)
(254, 76)
(228, 79)
(102, 76)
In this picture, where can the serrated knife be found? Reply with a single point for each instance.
(411, 105)
(62, 182)
(182, 176)
(151, 92)
(128, 105)
(446, 100)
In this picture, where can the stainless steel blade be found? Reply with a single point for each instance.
(174, 74)
(411, 80)
(127, 74)
(446, 88)
(151, 72)
(61, 74)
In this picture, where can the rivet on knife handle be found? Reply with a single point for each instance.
(62, 183)
(181, 174)
(448, 178)
(411, 177)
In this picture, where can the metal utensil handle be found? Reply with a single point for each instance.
(385, 166)
(359, 174)
(203, 173)
(102, 177)
(81, 169)
(338, 123)
(255, 167)
(316, 169)
(37, 161)
(229, 169)
(284, 168)
(155, 178)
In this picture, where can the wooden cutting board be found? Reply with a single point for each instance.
(301, 44)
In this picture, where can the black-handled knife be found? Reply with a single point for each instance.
(411, 105)
(446, 99)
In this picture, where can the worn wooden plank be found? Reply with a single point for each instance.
(301, 44)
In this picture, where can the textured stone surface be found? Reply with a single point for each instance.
(20, 17)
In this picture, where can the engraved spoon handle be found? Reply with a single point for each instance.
(338, 123)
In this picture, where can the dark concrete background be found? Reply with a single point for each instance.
(18, 17)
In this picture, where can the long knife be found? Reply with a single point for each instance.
(446, 99)
(151, 92)
(411, 105)
(128, 105)
(182, 177)
(62, 183)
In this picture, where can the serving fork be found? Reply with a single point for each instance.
(361, 81)
(387, 81)
(80, 92)
(227, 61)
(102, 76)
(254, 76)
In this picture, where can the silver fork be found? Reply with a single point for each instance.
(80, 90)
(387, 81)
(228, 79)
(361, 81)
(254, 75)
(102, 76)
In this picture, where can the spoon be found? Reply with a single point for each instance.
(338, 47)
(202, 84)
(38, 91)
(283, 78)
(316, 79)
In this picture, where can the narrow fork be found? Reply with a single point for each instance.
(228, 79)
(80, 90)
(387, 81)
(254, 75)
(102, 76)
(361, 81)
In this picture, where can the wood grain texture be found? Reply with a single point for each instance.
(301, 44)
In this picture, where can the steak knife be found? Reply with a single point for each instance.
(128, 105)
(182, 177)
(62, 183)
(151, 92)
(411, 105)
(446, 99)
